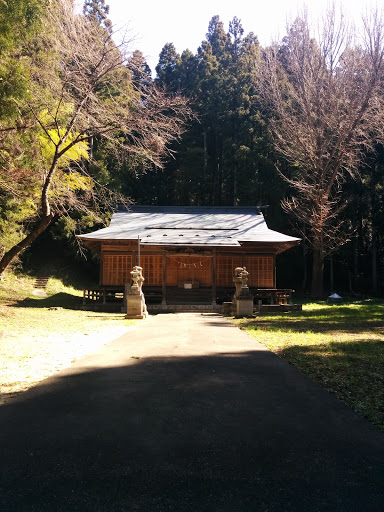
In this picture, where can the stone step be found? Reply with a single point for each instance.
(41, 282)
(186, 308)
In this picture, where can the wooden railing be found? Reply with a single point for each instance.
(103, 295)
(273, 295)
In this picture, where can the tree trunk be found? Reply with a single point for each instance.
(355, 263)
(317, 288)
(331, 277)
(374, 262)
(10, 255)
(235, 185)
(305, 274)
(374, 236)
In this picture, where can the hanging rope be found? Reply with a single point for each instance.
(197, 264)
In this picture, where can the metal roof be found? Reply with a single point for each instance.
(201, 226)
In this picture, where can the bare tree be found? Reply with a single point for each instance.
(326, 110)
(84, 89)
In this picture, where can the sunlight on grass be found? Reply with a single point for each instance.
(40, 335)
(341, 347)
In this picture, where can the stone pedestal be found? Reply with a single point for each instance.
(136, 307)
(227, 308)
(244, 306)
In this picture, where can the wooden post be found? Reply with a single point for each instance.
(164, 282)
(274, 270)
(138, 249)
(213, 277)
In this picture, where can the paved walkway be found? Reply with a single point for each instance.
(186, 413)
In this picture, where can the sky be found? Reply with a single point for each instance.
(153, 23)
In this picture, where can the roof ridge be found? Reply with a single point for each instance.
(181, 209)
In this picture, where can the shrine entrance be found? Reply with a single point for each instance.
(189, 271)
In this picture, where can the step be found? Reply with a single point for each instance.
(41, 282)
(183, 308)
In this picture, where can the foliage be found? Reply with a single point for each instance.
(326, 111)
(126, 139)
(341, 347)
(81, 89)
(222, 159)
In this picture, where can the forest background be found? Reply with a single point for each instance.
(216, 135)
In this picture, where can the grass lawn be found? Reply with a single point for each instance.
(341, 347)
(36, 341)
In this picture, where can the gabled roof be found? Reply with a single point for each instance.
(191, 225)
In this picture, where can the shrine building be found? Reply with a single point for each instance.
(188, 254)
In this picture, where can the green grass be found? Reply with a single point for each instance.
(40, 335)
(22, 312)
(341, 347)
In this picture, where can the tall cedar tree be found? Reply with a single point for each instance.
(223, 158)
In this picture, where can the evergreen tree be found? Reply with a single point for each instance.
(97, 12)
(167, 68)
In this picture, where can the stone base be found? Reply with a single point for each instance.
(244, 307)
(136, 307)
(227, 308)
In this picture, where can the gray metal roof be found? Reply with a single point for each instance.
(202, 226)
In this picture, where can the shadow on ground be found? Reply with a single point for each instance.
(354, 371)
(336, 318)
(63, 300)
(235, 432)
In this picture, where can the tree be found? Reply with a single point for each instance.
(97, 12)
(326, 110)
(223, 156)
(166, 69)
(85, 91)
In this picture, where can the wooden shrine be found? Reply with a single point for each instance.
(188, 254)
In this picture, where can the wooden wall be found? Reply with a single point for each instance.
(118, 262)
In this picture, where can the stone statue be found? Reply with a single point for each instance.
(237, 280)
(138, 279)
(242, 299)
(136, 307)
(244, 279)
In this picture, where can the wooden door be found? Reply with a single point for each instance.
(185, 268)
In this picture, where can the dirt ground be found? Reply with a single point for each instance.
(40, 356)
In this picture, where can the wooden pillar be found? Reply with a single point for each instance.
(274, 270)
(213, 276)
(101, 269)
(164, 282)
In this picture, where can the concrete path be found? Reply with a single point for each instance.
(186, 413)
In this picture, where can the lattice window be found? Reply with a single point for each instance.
(152, 269)
(260, 270)
(225, 269)
(188, 268)
(116, 269)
